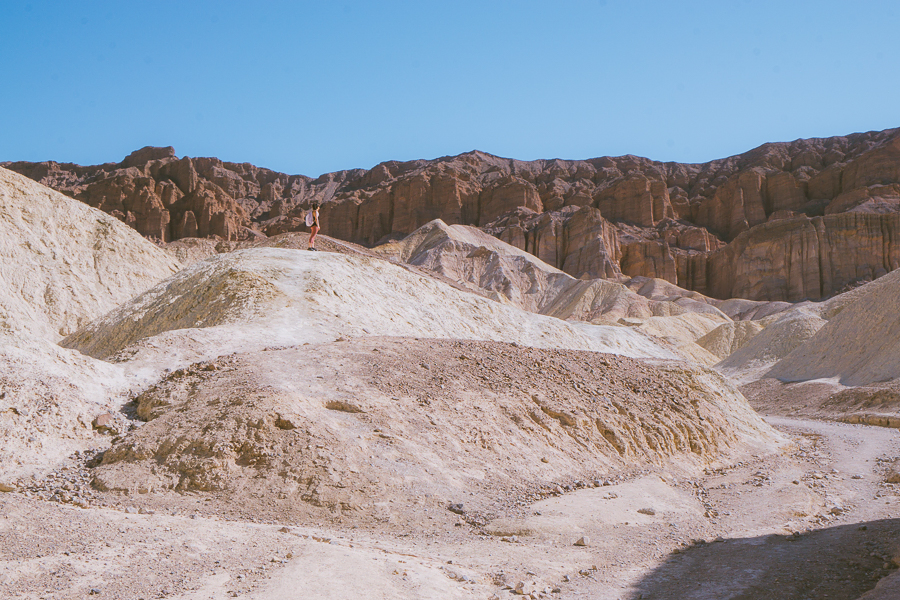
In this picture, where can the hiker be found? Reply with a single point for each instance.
(312, 220)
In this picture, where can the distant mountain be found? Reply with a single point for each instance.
(785, 221)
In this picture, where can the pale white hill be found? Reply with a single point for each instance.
(49, 397)
(263, 297)
(509, 274)
(741, 309)
(730, 337)
(738, 309)
(679, 300)
(684, 331)
(781, 335)
(859, 345)
(833, 306)
(62, 264)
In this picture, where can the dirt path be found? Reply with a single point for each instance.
(837, 550)
(815, 522)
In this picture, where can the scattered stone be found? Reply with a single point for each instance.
(583, 541)
(524, 588)
(893, 475)
(104, 423)
(7, 487)
(456, 508)
(647, 511)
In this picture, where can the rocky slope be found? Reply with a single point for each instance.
(837, 359)
(343, 430)
(860, 345)
(508, 274)
(403, 435)
(785, 221)
(62, 264)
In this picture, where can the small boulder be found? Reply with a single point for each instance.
(525, 588)
(893, 474)
(583, 541)
(104, 422)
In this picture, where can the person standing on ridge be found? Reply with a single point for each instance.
(312, 220)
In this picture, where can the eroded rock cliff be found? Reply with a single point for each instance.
(785, 221)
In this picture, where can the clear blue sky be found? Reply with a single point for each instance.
(312, 87)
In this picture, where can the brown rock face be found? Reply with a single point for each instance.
(800, 258)
(783, 221)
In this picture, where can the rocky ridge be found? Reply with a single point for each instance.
(785, 221)
(288, 386)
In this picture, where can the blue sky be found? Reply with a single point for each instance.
(313, 87)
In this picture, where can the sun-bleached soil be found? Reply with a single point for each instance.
(270, 422)
(338, 432)
(62, 264)
(814, 521)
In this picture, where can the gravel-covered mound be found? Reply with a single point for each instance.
(369, 429)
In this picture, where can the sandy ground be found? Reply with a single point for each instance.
(816, 521)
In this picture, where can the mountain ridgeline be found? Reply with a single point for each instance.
(785, 221)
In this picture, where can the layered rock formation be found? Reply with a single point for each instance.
(785, 221)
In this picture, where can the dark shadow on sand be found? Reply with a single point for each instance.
(837, 563)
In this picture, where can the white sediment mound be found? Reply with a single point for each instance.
(509, 274)
(781, 335)
(728, 338)
(62, 264)
(683, 331)
(263, 297)
(49, 397)
(741, 309)
(451, 419)
(738, 309)
(859, 345)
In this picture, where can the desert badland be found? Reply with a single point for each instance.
(610, 378)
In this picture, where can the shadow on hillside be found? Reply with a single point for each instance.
(838, 563)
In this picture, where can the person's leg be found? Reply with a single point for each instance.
(312, 236)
